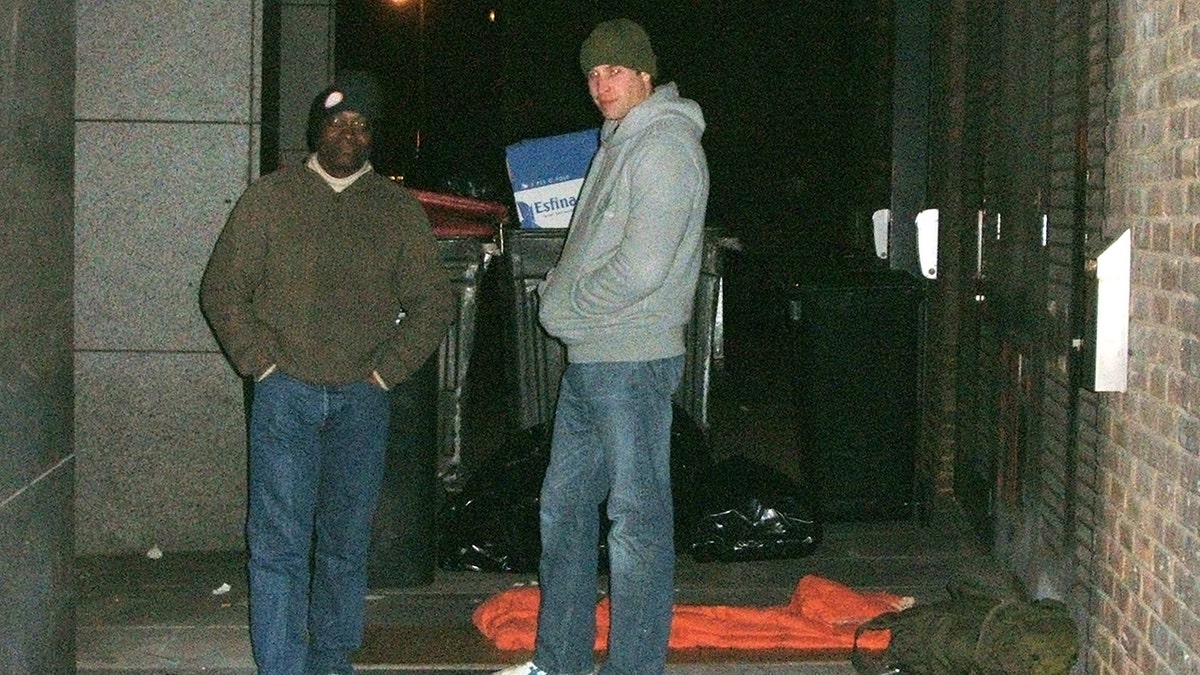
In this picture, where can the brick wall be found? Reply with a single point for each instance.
(1083, 115)
(1146, 581)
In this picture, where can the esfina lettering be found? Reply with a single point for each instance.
(554, 204)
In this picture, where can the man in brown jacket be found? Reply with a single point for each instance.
(326, 289)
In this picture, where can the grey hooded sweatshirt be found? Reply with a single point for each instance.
(624, 286)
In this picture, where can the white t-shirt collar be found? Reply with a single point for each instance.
(338, 184)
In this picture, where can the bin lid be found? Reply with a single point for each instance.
(457, 216)
(847, 272)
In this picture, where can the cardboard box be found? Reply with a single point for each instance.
(546, 175)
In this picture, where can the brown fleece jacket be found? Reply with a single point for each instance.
(327, 286)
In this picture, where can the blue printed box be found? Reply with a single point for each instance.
(546, 175)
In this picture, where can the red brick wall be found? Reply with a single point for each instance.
(1146, 582)
(1085, 113)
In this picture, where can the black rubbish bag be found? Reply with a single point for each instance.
(691, 467)
(753, 512)
(491, 525)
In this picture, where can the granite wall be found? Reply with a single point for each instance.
(168, 133)
(37, 466)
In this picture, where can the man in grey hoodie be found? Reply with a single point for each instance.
(619, 299)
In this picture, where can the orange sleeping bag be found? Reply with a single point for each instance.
(822, 614)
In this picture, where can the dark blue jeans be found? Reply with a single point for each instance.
(612, 439)
(316, 465)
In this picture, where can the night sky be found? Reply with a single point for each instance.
(796, 96)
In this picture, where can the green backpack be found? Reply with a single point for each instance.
(973, 635)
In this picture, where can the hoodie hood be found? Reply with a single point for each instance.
(624, 285)
(664, 101)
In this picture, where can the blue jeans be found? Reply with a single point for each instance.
(316, 465)
(612, 439)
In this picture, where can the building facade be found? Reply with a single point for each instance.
(1052, 129)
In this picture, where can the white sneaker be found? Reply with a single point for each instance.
(526, 668)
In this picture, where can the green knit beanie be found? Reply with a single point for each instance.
(619, 42)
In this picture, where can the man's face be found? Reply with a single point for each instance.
(617, 89)
(345, 144)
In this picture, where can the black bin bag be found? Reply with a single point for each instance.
(752, 512)
(492, 525)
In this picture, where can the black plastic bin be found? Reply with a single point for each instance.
(427, 439)
(404, 533)
(857, 360)
(468, 235)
